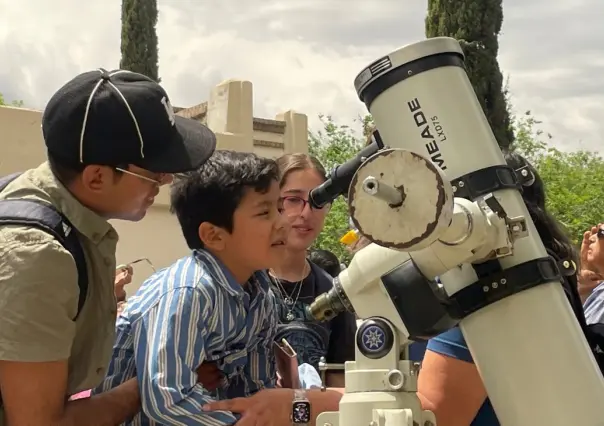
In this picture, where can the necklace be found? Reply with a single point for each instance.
(290, 301)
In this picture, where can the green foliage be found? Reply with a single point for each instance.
(574, 181)
(18, 104)
(139, 37)
(333, 145)
(477, 24)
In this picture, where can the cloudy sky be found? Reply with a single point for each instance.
(304, 54)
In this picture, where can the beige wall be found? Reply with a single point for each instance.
(228, 112)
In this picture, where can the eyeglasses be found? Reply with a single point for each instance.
(160, 181)
(292, 205)
(134, 262)
(600, 233)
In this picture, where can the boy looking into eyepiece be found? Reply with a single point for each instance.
(210, 306)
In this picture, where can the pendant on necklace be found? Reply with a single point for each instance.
(290, 316)
(289, 301)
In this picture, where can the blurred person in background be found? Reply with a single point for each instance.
(326, 260)
(591, 275)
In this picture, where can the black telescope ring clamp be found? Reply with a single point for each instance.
(500, 285)
(484, 181)
(494, 283)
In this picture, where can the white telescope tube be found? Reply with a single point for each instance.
(531, 353)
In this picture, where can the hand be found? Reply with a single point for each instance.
(269, 407)
(209, 375)
(123, 277)
(587, 281)
(585, 244)
(120, 307)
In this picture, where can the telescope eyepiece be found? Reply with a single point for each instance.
(339, 179)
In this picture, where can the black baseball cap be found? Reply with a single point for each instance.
(120, 117)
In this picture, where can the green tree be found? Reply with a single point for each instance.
(18, 104)
(477, 24)
(574, 181)
(333, 145)
(139, 37)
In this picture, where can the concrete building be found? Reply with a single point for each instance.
(228, 112)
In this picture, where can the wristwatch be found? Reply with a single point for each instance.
(300, 408)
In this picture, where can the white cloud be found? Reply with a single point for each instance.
(304, 54)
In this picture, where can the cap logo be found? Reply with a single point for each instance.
(169, 110)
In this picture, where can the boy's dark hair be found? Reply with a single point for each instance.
(213, 192)
(327, 261)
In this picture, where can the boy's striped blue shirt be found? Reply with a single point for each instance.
(191, 312)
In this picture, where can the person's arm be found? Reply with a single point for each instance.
(593, 308)
(449, 384)
(589, 275)
(38, 299)
(341, 346)
(123, 277)
(262, 366)
(322, 401)
(274, 406)
(172, 340)
(122, 365)
(27, 401)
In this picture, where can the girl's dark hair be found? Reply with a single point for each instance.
(552, 233)
(290, 163)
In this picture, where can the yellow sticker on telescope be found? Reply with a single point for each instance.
(350, 237)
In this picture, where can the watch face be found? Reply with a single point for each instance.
(301, 412)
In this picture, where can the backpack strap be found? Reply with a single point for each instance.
(4, 181)
(43, 216)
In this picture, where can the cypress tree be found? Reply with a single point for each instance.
(477, 24)
(139, 38)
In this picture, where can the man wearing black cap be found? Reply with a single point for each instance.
(112, 140)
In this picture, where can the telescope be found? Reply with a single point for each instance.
(438, 200)
(338, 181)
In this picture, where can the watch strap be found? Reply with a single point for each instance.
(300, 395)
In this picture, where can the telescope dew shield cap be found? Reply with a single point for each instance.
(405, 63)
(421, 100)
(120, 117)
